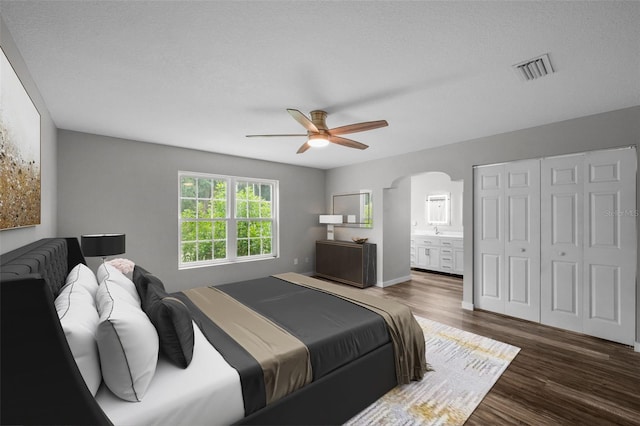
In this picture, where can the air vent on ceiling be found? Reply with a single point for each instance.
(534, 68)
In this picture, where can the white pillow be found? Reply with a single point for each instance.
(112, 274)
(79, 319)
(81, 274)
(127, 341)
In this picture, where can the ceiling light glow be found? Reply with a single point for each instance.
(318, 141)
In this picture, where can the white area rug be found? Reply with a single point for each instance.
(465, 367)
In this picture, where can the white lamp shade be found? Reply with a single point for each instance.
(330, 218)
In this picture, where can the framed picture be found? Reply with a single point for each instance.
(20, 195)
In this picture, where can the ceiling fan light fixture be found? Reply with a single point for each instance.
(318, 141)
(319, 135)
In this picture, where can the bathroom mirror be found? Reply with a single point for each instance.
(438, 209)
(356, 209)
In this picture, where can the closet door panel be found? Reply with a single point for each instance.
(561, 293)
(519, 282)
(565, 287)
(565, 224)
(491, 275)
(604, 293)
(522, 239)
(610, 245)
(490, 211)
(489, 238)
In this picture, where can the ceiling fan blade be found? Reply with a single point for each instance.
(347, 142)
(302, 119)
(275, 136)
(358, 127)
(305, 146)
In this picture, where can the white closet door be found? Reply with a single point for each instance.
(489, 238)
(561, 242)
(522, 239)
(610, 244)
(555, 241)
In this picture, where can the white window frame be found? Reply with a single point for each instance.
(232, 220)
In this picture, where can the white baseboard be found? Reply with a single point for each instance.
(393, 282)
(468, 306)
(636, 347)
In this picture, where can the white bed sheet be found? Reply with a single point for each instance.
(208, 392)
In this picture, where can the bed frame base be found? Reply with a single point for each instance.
(335, 398)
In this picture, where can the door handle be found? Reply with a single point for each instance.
(562, 253)
(523, 250)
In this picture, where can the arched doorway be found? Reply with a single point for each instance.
(437, 250)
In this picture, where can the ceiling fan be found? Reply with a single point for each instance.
(320, 135)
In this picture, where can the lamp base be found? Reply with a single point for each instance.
(330, 232)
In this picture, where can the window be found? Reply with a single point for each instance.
(226, 219)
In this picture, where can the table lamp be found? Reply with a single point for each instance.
(330, 220)
(102, 245)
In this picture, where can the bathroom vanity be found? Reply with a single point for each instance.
(438, 252)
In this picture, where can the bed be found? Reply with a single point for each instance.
(38, 368)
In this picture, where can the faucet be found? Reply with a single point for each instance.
(435, 230)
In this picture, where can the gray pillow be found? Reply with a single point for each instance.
(169, 315)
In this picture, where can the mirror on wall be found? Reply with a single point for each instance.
(438, 209)
(356, 209)
(435, 184)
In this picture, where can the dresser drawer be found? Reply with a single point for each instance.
(451, 242)
(427, 241)
(446, 268)
(446, 261)
(446, 242)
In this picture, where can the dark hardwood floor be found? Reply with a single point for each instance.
(559, 377)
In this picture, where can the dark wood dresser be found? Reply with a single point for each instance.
(346, 262)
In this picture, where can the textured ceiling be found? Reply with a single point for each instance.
(203, 74)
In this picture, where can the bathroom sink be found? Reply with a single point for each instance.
(449, 234)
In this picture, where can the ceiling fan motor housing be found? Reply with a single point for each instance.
(318, 118)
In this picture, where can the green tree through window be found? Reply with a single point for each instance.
(219, 225)
(254, 212)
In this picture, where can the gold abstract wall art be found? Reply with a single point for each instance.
(20, 195)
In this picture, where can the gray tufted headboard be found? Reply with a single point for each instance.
(41, 383)
(48, 258)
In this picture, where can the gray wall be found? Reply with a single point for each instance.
(396, 215)
(14, 238)
(114, 185)
(601, 131)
